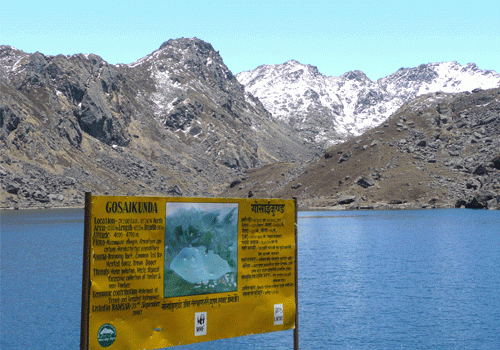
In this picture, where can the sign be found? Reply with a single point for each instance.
(162, 272)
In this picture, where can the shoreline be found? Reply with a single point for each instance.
(376, 207)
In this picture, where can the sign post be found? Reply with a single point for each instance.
(296, 329)
(162, 272)
(84, 323)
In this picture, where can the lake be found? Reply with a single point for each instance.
(419, 279)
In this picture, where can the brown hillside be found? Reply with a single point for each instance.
(440, 150)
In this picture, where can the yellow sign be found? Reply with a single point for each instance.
(174, 271)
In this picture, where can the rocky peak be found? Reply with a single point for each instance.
(190, 84)
(294, 71)
(356, 75)
(308, 70)
(471, 66)
(196, 55)
(189, 44)
(422, 73)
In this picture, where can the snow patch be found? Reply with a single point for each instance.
(353, 102)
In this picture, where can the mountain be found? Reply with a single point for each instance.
(176, 122)
(327, 110)
(440, 150)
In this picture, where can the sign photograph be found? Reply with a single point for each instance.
(161, 272)
(201, 248)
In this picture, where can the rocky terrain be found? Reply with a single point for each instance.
(176, 122)
(328, 110)
(440, 150)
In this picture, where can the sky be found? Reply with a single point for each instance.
(376, 37)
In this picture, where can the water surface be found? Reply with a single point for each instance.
(427, 279)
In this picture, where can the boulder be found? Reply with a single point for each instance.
(473, 184)
(478, 201)
(348, 202)
(234, 183)
(40, 197)
(433, 201)
(480, 170)
(365, 181)
(474, 204)
(9, 120)
(56, 197)
(71, 131)
(496, 162)
(492, 203)
(12, 188)
(174, 190)
(344, 157)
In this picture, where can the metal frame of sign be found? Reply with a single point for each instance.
(154, 263)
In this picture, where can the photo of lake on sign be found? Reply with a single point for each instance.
(201, 248)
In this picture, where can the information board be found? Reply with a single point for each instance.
(162, 272)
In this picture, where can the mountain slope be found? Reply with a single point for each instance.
(438, 150)
(175, 122)
(327, 110)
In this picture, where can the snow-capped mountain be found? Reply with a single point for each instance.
(327, 109)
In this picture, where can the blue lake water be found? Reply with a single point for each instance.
(427, 279)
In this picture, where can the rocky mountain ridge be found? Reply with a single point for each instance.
(176, 122)
(327, 109)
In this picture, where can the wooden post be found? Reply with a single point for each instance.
(296, 329)
(84, 323)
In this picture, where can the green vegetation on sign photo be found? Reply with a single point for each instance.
(201, 251)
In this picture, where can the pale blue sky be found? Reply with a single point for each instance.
(376, 37)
